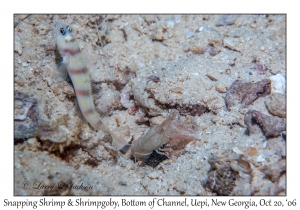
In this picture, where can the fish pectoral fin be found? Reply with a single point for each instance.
(92, 70)
(63, 72)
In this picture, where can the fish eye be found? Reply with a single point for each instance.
(62, 31)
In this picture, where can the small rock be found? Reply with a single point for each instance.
(278, 84)
(271, 126)
(276, 104)
(246, 93)
(253, 25)
(32, 141)
(252, 151)
(221, 181)
(193, 109)
(200, 28)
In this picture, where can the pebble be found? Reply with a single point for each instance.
(278, 84)
(201, 28)
(32, 141)
(260, 158)
(246, 93)
(251, 151)
(272, 126)
(276, 104)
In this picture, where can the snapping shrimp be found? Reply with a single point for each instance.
(152, 140)
(75, 65)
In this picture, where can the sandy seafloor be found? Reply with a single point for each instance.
(53, 145)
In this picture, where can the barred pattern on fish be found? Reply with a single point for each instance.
(76, 67)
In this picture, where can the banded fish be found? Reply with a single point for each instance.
(74, 63)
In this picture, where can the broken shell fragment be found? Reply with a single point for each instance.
(221, 88)
(240, 166)
(212, 77)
